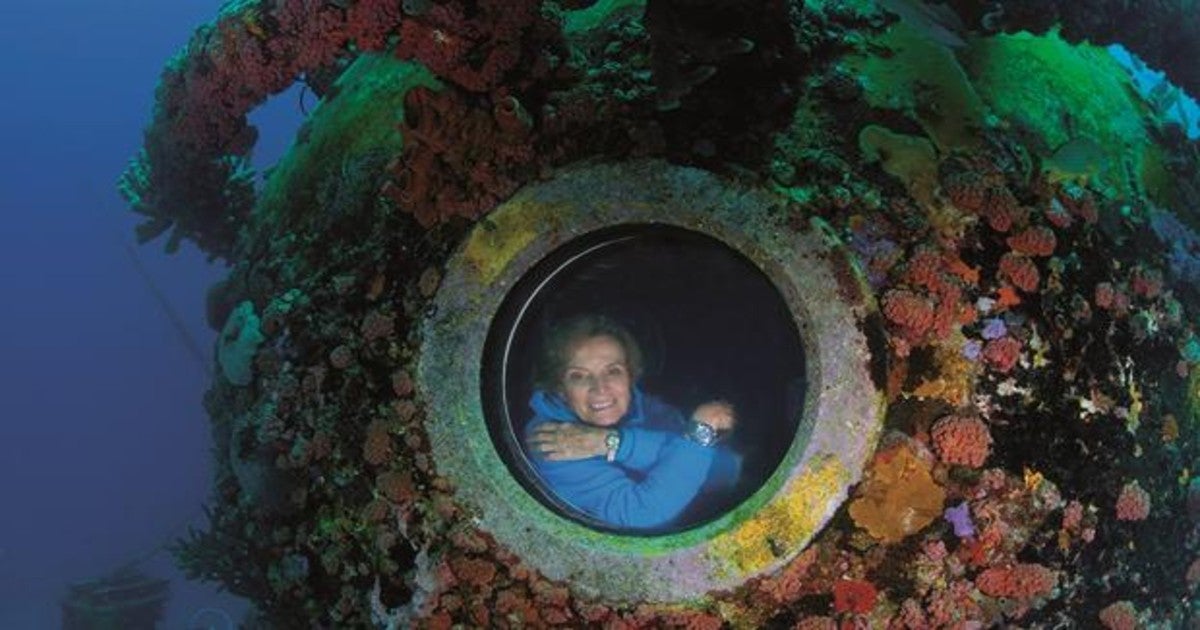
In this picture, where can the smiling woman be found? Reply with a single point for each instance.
(623, 434)
(611, 451)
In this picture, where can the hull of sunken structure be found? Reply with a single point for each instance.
(1024, 220)
(125, 599)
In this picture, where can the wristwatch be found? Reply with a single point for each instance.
(701, 433)
(612, 442)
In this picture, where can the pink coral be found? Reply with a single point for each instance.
(1072, 518)
(1018, 581)
(1145, 282)
(962, 440)
(1002, 354)
(954, 606)
(1119, 616)
(1133, 504)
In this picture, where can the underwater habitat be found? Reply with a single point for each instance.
(691, 313)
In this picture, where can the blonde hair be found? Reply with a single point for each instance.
(556, 347)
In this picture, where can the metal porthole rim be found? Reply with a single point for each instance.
(842, 415)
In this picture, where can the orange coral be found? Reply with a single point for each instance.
(1001, 209)
(967, 273)
(911, 313)
(967, 191)
(1020, 271)
(899, 497)
(962, 440)
(1006, 296)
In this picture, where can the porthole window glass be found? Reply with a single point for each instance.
(643, 379)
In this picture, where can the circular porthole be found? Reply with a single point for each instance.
(704, 324)
(727, 295)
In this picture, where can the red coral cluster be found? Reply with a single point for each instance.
(458, 160)
(932, 302)
(966, 190)
(911, 314)
(854, 596)
(963, 440)
(191, 173)
(1002, 210)
(1037, 240)
(258, 50)
(472, 46)
(1019, 271)
(995, 204)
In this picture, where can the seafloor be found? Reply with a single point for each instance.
(1027, 220)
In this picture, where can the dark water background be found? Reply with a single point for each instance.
(104, 444)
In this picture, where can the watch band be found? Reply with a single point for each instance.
(701, 433)
(612, 442)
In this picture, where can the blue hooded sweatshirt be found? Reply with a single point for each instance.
(656, 473)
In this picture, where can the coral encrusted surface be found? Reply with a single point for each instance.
(1027, 222)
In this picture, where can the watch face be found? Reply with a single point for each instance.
(702, 434)
(612, 441)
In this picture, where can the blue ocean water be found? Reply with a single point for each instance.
(104, 443)
(1176, 106)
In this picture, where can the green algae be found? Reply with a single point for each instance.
(922, 79)
(361, 118)
(1060, 92)
(910, 159)
(597, 14)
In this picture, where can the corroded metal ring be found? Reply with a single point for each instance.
(843, 411)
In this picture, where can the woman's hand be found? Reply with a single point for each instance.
(559, 441)
(717, 414)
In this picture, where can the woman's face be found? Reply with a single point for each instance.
(597, 382)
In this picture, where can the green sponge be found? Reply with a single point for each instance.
(239, 340)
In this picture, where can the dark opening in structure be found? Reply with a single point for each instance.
(710, 326)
